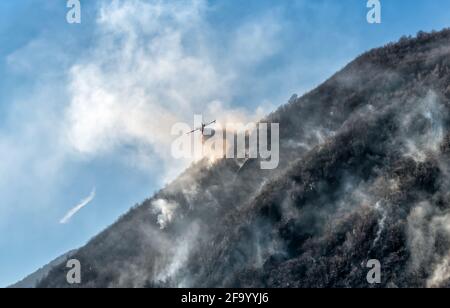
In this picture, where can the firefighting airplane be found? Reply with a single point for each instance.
(202, 129)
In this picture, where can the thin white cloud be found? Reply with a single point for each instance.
(77, 208)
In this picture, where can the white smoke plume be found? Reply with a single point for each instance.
(154, 65)
(441, 274)
(165, 211)
(179, 254)
(425, 140)
(425, 225)
(381, 222)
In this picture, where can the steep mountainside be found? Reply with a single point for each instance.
(364, 174)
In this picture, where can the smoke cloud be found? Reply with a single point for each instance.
(155, 66)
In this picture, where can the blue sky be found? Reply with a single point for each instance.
(89, 106)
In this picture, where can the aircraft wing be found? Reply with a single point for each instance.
(193, 131)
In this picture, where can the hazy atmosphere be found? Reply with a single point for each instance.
(87, 109)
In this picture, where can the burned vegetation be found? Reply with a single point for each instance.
(363, 174)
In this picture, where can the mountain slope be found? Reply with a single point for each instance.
(364, 174)
(32, 280)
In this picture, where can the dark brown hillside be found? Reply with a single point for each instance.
(364, 174)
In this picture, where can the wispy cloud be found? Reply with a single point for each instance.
(77, 208)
